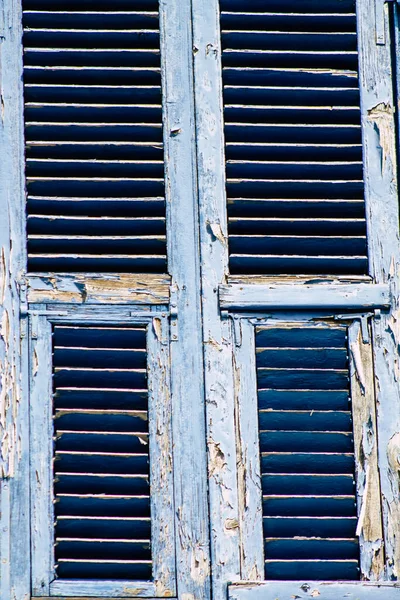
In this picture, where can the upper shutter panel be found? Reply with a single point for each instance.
(93, 127)
(293, 137)
(101, 466)
(307, 453)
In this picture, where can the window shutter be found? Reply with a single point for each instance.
(293, 138)
(94, 138)
(307, 453)
(101, 468)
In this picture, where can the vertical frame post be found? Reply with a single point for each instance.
(382, 211)
(14, 418)
(248, 460)
(41, 464)
(190, 459)
(217, 335)
(369, 527)
(161, 473)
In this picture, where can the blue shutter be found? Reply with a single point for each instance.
(307, 453)
(101, 452)
(93, 129)
(293, 137)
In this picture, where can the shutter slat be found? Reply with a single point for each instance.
(292, 133)
(101, 455)
(93, 130)
(307, 453)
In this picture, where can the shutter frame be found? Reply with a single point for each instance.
(160, 431)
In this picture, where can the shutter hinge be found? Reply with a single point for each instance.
(363, 322)
(380, 35)
(173, 311)
(237, 326)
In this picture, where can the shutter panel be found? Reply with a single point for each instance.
(307, 453)
(93, 128)
(101, 466)
(293, 137)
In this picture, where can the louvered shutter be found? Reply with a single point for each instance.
(101, 467)
(307, 453)
(94, 139)
(102, 495)
(294, 174)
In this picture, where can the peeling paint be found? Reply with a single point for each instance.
(381, 116)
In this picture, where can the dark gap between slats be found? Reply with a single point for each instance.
(101, 453)
(306, 453)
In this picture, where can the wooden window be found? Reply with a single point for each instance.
(140, 220)
(102, 496)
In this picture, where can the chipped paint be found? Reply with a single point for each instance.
(381, 116)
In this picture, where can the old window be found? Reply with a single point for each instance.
(199, 330)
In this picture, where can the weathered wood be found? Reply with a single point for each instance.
(382, 213)
(14, 456)
(287, 590)
(190, 459)
(329, 296)
(160, 446)
(216, 332)
(80, 588)
(120, 288)
(248, 456)
(369, 526)
(87, 598)
(41, 440)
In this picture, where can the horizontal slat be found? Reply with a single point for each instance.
(103, 506)
(101, 441)
(290, 462)
(302, 441)
(103, 549)
(75, 483)
(317, 569)
(304, 399)
(289, 420)
(101, 420)
(110, 527)
(311, 484)
(98, 19)
(302, 378)
(289, 21)
(104, 569)
(309, 357)
(339, 549)
(315, 527)
(309, 506)
(101, 462)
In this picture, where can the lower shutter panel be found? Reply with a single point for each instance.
(307, 456)
(101, 460)
(93, 129)
(293, 138)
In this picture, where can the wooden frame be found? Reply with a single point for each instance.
(365, 444)
(160, 447)
(285, 590)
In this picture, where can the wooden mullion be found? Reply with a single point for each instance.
(248, 456)
(382, 212)
(14, 419)
(188, 402)
(41, 464)
(366, 455)
(217, 336)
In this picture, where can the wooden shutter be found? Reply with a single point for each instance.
(101, 467)
(93, 129)
(307, 453)
(294, 174)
